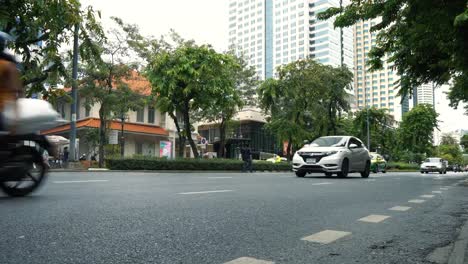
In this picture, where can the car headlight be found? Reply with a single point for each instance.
(331, 153)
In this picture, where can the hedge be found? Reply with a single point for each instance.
(191, 164)
(403, 166)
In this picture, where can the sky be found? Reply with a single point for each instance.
(206, 22)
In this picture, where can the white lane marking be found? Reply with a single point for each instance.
(400, 208)
(444, 189)
(218, 177)
(326, 237)
(247, 260)
(370, 180)
(202, 192)
(416, 201)
(427, 196)
(436, 192)
(374, 218)
(322, 183)
(82, 181)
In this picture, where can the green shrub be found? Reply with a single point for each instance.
(147, 163)
(403, 166)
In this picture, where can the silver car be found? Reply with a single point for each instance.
(333, 154)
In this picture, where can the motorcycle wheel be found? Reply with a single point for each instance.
(32, 177)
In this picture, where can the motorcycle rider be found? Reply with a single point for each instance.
(10, 83)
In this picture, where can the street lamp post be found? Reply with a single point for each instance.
(74, 95)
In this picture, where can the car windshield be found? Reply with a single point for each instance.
(433, 160)
(329, 142)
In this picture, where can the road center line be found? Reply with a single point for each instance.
(326, 236)
(400, 208)
(374, 218)
(418, 201)
(82, 181)
(203, 192)
(322, 183)
(247, 260)
(427, 196)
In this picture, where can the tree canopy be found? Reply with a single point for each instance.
(41, 29)
(426, 40)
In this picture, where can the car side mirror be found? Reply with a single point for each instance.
(353, 146)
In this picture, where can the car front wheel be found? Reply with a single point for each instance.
(366, 172)
(344, 169)
(300, 174)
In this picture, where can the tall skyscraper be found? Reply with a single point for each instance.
(424, 94)
(270, 33)
(377, 88)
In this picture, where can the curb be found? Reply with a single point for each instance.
(164, 171)
(460, 247)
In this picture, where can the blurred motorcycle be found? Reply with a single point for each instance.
(22, 165)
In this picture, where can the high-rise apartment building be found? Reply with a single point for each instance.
(424, 94)
(374, 88)
(270, 33)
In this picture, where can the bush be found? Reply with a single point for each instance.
(403, 166)
(147, 163)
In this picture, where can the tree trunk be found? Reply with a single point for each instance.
(102, 136)
(189, 132)
(222, 139)
(288, 149)
(180, 152)
(122, 136)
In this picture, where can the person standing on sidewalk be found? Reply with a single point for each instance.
(246, 154)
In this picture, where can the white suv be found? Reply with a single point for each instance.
(334, 154)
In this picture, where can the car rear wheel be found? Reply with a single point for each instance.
(328, 174)
(366, 172)
(344, 169)
(300, 174)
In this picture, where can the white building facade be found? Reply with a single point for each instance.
(374, 88)
(270, 33)
(424, 94)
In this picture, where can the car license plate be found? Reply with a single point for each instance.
(311, 160)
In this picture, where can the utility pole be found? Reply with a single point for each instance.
(74, 95)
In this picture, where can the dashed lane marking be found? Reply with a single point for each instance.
(427, 196)
(326, 236)
(418, 201)
(370, 180)
(82, 181)
(436, 192)
(374, 218)
(444, 189)
(400, 208)
(322, 183)
(218, 177)
(247, 260)
(203, 192)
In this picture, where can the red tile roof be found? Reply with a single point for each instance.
(115, 125)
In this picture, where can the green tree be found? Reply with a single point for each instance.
(127, 99)
(291, 99)
(101, 77)
(381, 127)
(188, 78)
(464, 142)
(41, 29)
(424, 39)
(451, 153)
(416, 130)
(448, 139)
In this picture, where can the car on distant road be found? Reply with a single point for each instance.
(378, 163)
(333, 154)
(434, 165)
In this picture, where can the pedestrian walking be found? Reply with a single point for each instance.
(246, 154)
(66, 153)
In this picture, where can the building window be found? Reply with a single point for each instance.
(140, 115)
(151, 115)
(138, 148)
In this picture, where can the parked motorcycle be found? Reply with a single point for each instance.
(22, 166)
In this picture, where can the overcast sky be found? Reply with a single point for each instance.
(206, 21)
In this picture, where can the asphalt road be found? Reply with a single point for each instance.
(259, 218)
